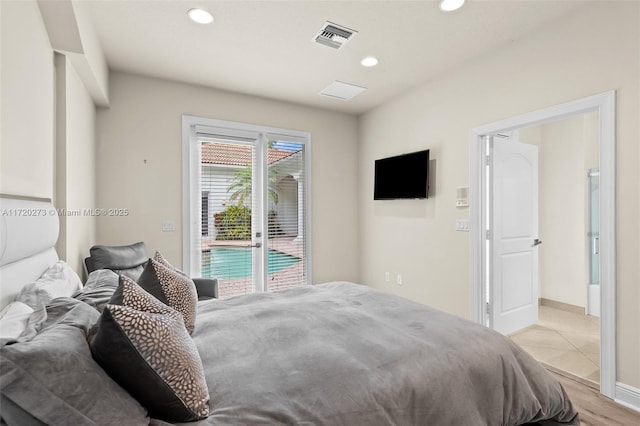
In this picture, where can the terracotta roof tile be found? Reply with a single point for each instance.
(236, 155)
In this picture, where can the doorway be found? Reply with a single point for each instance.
(565, 334)
(480, 200)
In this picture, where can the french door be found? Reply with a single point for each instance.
(247, 197)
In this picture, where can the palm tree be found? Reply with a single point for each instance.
(242, 183)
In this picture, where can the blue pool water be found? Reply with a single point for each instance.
(230, 263)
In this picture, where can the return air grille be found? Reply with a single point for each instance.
(342, 91)
(333, 35)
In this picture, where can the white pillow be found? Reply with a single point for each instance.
(13, 320)
(59, 280)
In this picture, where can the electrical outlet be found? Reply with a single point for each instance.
(399, 279)
(462, 225)
(387, 277)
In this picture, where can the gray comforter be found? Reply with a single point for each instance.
(331, 354)
(346, 354)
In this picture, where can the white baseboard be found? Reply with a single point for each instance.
(628, 396)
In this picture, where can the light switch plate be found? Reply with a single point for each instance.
(168, 226)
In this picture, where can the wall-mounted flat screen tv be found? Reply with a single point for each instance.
(401, 177)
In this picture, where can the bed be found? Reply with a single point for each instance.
(332, 354)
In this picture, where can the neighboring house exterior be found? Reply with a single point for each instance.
(220, 163)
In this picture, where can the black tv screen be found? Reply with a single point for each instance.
(403, 176)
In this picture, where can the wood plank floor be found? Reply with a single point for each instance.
(594, 409)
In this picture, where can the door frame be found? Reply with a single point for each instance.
(191, 126)
(604, 104)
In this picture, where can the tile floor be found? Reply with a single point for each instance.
(568, 341)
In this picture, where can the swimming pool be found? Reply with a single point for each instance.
(236, 262)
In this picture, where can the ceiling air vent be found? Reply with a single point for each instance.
(333, 35)
(342, 91)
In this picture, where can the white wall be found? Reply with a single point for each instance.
(91, 65)
(287, 207)
(562, 269)
(71, 32)
(27, 102)
(589, 52)
(75, 165)
(567, 150)
(47, 127)
(144, 124)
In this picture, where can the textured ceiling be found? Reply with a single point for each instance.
(264, 48)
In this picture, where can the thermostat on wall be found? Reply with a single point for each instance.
(462, 196)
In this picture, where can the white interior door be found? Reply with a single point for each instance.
(514, 236)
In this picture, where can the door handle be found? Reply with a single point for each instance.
(537, 242)
(256, 245)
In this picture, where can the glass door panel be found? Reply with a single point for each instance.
(286, 176)
(227, 185)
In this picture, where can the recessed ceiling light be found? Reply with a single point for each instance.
(451, 5)
(200, 16)
(369, 61)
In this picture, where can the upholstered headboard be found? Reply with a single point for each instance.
(28, 234)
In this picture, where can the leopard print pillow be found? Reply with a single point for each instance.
(129, 293)
(173, 289)
(147, 350)
(158, 257)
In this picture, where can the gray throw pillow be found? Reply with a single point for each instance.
(99, 288)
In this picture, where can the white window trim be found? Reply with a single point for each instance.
(191, 126)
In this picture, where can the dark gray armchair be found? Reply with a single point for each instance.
(130, 260)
